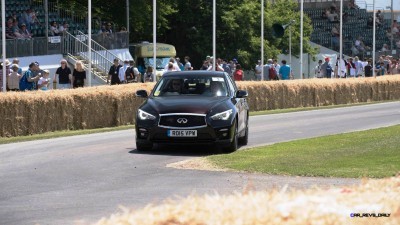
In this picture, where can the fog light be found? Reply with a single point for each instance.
(143, 133)
(224, 134)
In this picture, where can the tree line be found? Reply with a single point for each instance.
(188, 26)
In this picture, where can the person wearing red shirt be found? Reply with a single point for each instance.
(238, 75)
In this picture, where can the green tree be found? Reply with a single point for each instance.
(188, 25)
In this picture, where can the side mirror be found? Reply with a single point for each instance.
(241, 94)
(141, 93)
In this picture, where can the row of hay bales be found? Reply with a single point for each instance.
(108, 106)
(320, 92)
(334, 206)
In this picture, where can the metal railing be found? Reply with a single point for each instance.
(97, 47)
(30, 47)
(55, 45)
(103, 78)
(74, 46)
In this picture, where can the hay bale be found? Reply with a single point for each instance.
(26, 113)
(312, 206)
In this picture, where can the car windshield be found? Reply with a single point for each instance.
(161, 62)
(204, 85)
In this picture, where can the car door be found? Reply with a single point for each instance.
(239, 103)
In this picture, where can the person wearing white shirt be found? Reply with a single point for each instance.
(318, 70)
(359, 67)
(276, 66)
(258, 70)
(341, 69)
(174, 63)
(218, 66)
(44, 81)
(121, 72)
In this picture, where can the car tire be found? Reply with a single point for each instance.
(234, 144)
(143, 147)
(245, 139)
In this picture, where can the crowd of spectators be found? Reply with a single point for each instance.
(19, 26)
(354, 68)
(35, 78)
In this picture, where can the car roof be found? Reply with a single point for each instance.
(194, 73)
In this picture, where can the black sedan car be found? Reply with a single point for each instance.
(193, 107)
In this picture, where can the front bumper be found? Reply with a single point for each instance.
(221, 135)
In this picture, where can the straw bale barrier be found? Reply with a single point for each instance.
(26, 113)
(108, 106)
(319, 92)
(333, 206)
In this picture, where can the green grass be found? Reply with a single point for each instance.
(373, 153)
(65, 133)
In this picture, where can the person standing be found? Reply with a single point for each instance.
(326, 69)
(218, 66)
(351, 67)
(266, 69)
(180, 65)
(188, 65)
(258, 70)
(13, 78)
(8, 71)
(318, 70)
(79, 75)
(63, 75)
(380, 69)
(226, 67)
(133, 73)
(122, 70)
(113, 73)
(394, 67)
(238, 75)
(341, 68)
(148, 76)
(16, 62)
(276, 65)
(205, 65)
(368, 69)
(28, 80)
(44, 81)
(174, 64)
(359, 67)
(284, 71)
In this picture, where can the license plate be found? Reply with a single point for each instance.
(182, 133)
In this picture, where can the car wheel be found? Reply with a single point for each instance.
(142, 147)
(245, 139)
(234, 144)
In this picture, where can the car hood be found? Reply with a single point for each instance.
(187, 104)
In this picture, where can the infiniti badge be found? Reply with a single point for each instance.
(182, 120)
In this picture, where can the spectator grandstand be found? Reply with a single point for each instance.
(355, 27)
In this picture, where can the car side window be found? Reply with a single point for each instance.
(232, 85)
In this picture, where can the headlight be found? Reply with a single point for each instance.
(145, 116)
(222, 116)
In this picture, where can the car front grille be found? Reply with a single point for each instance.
(182, 120)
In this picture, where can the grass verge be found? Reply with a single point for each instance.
(373, 153)
(65, 133)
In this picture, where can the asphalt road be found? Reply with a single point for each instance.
(83, 178)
